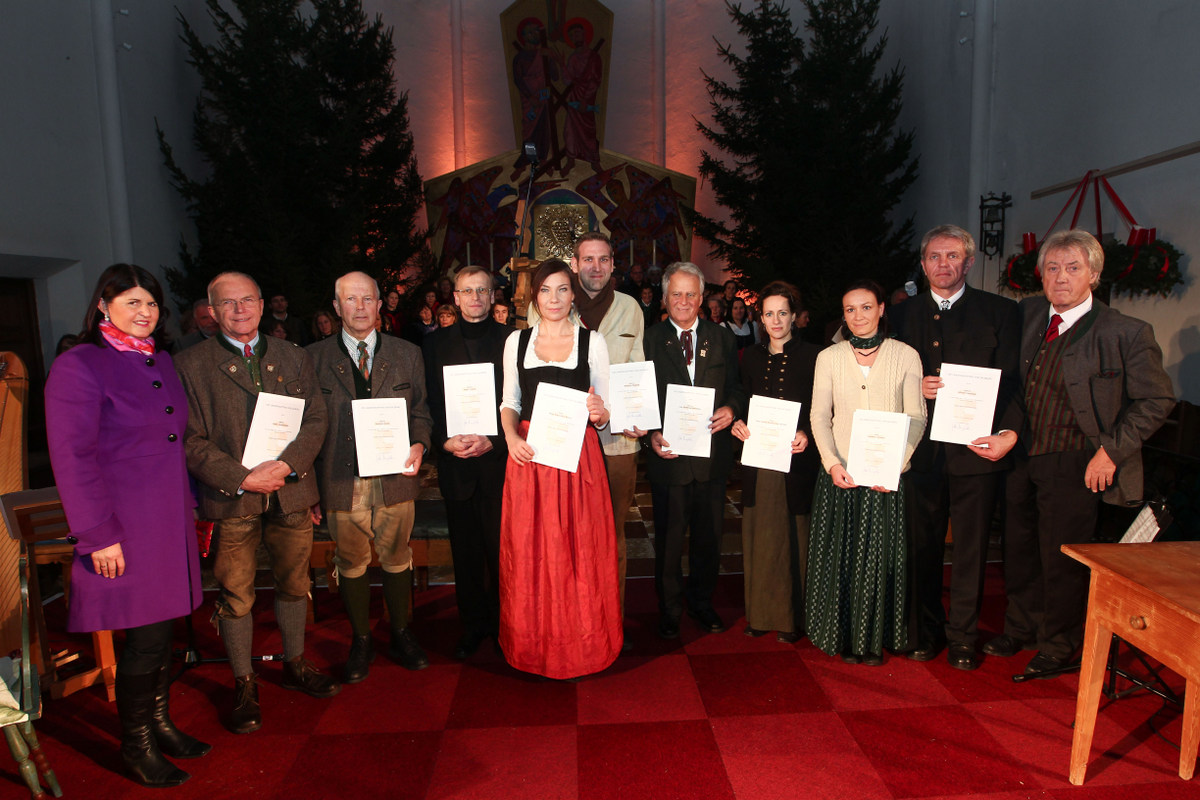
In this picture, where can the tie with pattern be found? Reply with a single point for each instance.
(687, 347)
(945, 305)
(252, 361)
(363, 366)
(1052, 331)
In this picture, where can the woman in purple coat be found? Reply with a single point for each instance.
(115, 416)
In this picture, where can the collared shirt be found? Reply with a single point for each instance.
(1070, 316)
(952, 299)
(695, 344)
(241, 346)
(352, 346)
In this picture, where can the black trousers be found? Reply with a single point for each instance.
(698, 507)
(968, 504)
(474, 526)
(1048, 506)
(147, 648)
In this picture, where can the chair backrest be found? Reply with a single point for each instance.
(30, 516)
(14, 399)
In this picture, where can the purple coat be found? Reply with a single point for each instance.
(115, 423)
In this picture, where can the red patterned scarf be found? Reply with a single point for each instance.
(119, 340)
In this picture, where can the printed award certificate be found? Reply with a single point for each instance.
(275, 425)
(877, 443)
(965, 405)
(470, 399)
(685, 425)
(634, 401)
(772, 425)
(557, 425)
(381, 436)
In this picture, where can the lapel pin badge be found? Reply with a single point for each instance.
(703, 353)
(233, 367)
(270, 367)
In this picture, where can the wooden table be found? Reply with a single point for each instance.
(1149, 595)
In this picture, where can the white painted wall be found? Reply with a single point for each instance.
(1036, 94)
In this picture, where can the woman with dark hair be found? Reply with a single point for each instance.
(391, 313)
(116, 414)
(775, 520)
(560, 613)
(325, 324)
(857, 558)
(740, 324)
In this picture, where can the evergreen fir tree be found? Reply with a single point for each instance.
(311, 169)
(807, 160)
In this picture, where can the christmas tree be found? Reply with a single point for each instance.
(311, 170)
(807, 159)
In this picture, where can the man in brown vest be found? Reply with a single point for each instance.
(1094, 391)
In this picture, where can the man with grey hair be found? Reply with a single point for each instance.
(206, 325)
(361, 363)
(954, 484)
(265, 504)
(689, 491)
(1094, 390)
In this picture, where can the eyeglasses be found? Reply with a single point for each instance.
(245, 301)
(478, 292)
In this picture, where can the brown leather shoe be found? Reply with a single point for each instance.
(301, 675)
(247, 716)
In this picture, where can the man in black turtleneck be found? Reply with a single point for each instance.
(470, 467)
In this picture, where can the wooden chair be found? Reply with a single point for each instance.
(36, 519)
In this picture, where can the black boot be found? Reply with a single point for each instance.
(171, 740)
(135, 707)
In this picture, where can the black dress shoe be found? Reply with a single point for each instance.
(787, 637)
(668, 628)
(406, 652)
(362, 653)
(962, 656)
(872, 659)
(1044, 666)
(468, 644)
(926, 651)
(1003, 646)
(708, 619)
(851, 658)
(246, 716)
(299, 674)
(754, 632)
(626, 643)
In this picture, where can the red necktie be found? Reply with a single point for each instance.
(248, 352)
(687, 347)
(1052, 331)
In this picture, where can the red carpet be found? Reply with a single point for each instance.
(711, 716)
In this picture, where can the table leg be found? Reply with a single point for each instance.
(1191, 731)
(1096, 639)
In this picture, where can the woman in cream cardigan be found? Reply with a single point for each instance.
(857, 558)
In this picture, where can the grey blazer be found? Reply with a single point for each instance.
(1116, 383)
(221, 399)
(398, 370)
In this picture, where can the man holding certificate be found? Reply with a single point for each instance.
(956, 482)
(464, 372)
(696, 365)
(1094, 391)
(379, 430)
(225, 378)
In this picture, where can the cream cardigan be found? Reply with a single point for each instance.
(894, 384)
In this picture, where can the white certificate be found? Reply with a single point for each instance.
(634, 400)
(877, 443)
(557, 425)
(471, 406)
(686, 420)
(965, 405)
(381, 436)
(276, 424)
(772, 425)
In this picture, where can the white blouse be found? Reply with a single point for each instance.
(597, 365)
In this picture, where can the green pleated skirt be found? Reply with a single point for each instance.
(857, 567)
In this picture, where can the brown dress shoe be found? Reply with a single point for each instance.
(247, 716)
(301, 675)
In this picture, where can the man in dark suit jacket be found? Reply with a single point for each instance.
(268, 503)
(956, 484)
(689, 492)
(1094, 391)
(361, 363)
(471, 466)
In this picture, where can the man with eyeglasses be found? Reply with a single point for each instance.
(268, 503)
(471, 466)
(362, 363)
